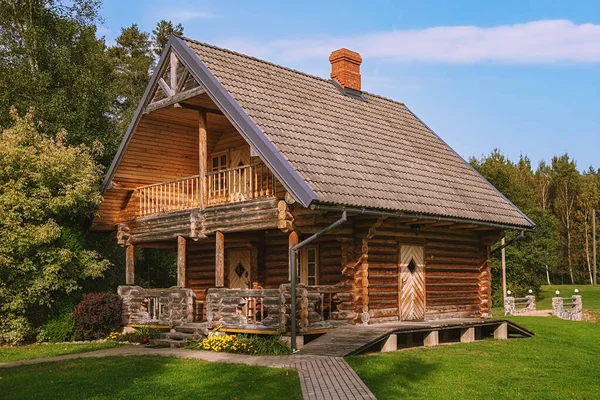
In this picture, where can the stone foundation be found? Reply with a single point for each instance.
(172, 306)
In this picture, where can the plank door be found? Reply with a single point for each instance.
(240, 181)
(411, 284)
(239, 269)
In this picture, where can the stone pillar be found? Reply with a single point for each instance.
(557, 306)
(391, 344)
(467, 335)
(501, 331)
(509, 305)
(431, 339)
(531, 306)
(577, 311)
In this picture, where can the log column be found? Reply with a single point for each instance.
(293, 240)
(129, 270)
(202, 155)
(181, 258)
(219, 259)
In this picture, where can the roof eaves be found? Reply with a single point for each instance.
(287, 175)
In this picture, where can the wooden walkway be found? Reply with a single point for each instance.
(330, 378)
(353, 339)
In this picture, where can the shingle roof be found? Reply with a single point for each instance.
(374, 154)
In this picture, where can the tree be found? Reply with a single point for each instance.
(164, 29)
(51, 59)
(132, 58)
(48, 189)
(564, 190)
(587, 200)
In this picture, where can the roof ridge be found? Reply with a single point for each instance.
(237, 53)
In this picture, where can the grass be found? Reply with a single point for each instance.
(560, 362)
(15, 353)
(147, 378)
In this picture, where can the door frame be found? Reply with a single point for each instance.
(406, 254)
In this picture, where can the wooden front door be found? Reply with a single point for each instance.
(240, 179)
(239, 269)
(411, 283)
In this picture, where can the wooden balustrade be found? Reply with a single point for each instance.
(246, 182)
(176, 195)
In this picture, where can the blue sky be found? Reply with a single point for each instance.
(521, 76)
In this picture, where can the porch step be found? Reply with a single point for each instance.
(183, 336)
(194, 328)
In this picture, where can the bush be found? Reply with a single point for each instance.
(253, 345)
(97, 315)
(59, 329)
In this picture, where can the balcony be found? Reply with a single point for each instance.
(226, 186)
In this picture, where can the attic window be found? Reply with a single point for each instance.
(352, 93)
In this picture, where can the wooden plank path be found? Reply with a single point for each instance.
(348, 340)
(332, 378)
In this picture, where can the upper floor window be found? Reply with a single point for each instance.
(219, 162)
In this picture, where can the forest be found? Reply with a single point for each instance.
(67, 98)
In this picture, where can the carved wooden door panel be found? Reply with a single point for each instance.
(411, 283)
(239, 269)
(240, 179)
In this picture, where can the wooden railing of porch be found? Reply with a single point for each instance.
(246, 182)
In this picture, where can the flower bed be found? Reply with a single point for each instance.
(241, 344)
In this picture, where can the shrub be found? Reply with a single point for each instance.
(97, 315)
(59, 329)
(253, 345)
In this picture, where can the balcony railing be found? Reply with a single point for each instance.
(246, 182)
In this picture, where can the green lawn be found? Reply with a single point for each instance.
(560, 362)
(147, 378)
(48, 350)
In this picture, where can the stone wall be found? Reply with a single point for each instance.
(172, 306)
(518, 305)
(270, 309)
(573, 310)
(243, 308)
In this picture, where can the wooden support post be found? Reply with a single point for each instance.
(181, 257)
(219, 259)
(292, 240)
(391, 344)
(594, 245)
(431, 339)
(501, 331)
(202, 155)
(467, 335)
(129, 271)
(503, 251)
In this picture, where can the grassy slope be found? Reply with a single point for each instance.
(147, 378)
(560, 362)
(590, 296)
(48, 350)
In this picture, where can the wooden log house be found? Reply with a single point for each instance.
(231, 160)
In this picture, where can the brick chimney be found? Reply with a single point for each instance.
(345, 68)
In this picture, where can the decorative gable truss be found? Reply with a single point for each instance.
(175, 84)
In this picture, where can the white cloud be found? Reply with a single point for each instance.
(183, 15)
(536, 42)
